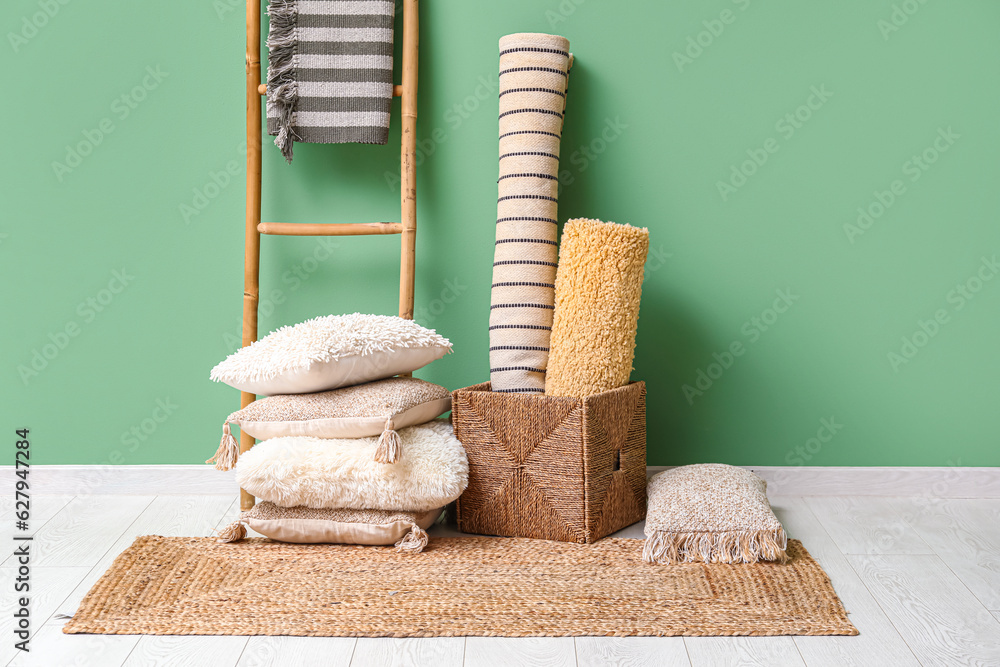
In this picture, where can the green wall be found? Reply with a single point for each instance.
(127, 261)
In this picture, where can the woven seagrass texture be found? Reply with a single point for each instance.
(477, 586)
(553, 468)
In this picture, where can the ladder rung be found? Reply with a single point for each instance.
(397, 90)
(329, 229)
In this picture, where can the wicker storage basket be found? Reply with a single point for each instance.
(552, 468)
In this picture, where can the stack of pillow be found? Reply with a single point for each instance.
(350, 453)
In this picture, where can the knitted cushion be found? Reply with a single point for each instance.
(374, 408)
(598, 286)
(330, 352)
(533, 73)
(432, 471)
(303, 525)
(711, 513)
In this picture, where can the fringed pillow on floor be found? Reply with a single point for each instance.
(302, 525)
(330, 352)
(371, 409)
(432, 471)
(711, 513)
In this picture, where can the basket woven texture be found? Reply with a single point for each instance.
(552, 468)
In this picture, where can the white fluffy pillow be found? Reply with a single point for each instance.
(432, 471)
(329, 352)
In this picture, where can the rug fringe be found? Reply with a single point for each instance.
(234, 532)
(668, 548)
(228, 451)
(414, 541)
(282, 90)
(388, 444)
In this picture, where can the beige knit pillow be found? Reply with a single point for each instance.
(302, 525)
(711, 513)
(375, 408)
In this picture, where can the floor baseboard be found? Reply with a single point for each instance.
(159, 480)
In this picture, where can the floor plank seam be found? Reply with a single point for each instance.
(687, 652)
(864, 583)
(960, 579)
(93, 567)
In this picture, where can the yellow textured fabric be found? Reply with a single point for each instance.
(598, 285)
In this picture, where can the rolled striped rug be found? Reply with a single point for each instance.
(329, 75)
(533, 78)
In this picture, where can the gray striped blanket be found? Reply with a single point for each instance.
(329, 76)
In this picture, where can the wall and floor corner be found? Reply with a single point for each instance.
(824, 232)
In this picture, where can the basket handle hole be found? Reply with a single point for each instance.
(617, 463)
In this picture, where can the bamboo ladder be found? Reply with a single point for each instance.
(407, 228)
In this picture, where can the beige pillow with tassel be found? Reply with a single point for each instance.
(302, 525)
(364, 410)
(711, 513)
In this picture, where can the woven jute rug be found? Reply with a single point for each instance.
(480, 586)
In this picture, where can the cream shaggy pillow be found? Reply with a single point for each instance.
(374, 408)
(302, 525)
(711, 513)
(329, 352)
(432, 471)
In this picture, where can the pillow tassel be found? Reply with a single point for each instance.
(228, 451)
(388, 444)
(234, 532)
(414, 541)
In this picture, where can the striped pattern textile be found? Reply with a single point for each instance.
(329, 77)
(533, 77)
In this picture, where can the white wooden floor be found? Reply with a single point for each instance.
(920, 577)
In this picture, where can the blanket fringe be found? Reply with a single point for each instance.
(388, 444)
(669, 548)
(282, 90)
(234, 532)
(414, 541)
(228, 451)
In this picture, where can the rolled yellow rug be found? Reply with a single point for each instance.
(598, 285)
